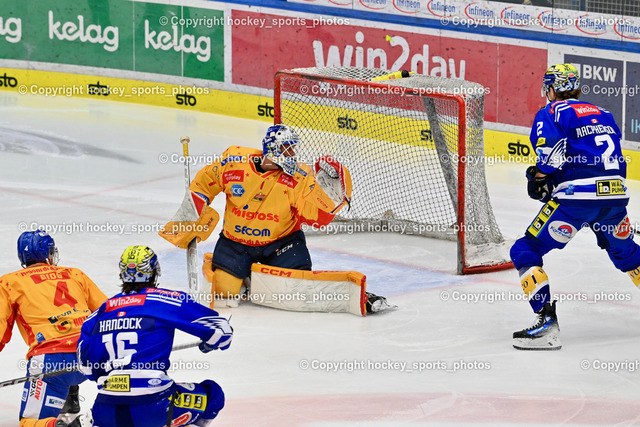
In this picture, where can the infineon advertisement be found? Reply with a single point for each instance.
(501, 15)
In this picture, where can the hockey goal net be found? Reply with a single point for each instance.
(414, 147)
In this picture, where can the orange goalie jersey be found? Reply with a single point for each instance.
(262, 207)
(50, 304)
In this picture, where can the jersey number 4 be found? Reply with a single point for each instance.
(63, 296)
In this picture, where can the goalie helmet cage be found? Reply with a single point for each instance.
(415, 150)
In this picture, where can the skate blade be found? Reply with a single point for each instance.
(531, 345)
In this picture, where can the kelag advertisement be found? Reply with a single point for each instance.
(117, 34)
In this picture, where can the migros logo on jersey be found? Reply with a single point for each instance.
(251, 215)
(585, 109)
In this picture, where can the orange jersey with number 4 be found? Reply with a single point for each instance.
(49, 303)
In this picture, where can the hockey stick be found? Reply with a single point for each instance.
(73, 368)
(192, 249)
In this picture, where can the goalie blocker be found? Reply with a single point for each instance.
(194, 219)
(304, 290)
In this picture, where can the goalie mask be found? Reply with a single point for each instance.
(274, 145)
(139, 264)
(37, 247)
(560, 77)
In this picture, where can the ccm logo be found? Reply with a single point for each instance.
(275, 272)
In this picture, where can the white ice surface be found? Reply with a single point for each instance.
(79, 163)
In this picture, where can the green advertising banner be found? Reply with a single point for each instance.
(12, 45)
(117, 34)
(178, 40)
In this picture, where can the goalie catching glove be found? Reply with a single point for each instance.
(334, 179)
(194, 219)
(538, 188)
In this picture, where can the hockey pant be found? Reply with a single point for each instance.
(555, 226)
(235, 259)
(184, 404)
(45, 398)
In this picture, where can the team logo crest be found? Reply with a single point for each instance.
(623, 230)
(561, 231)
(259, 197)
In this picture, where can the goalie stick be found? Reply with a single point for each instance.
(192, 249)
(73, 368)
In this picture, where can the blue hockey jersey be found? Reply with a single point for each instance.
(578, 146)
(125, 345)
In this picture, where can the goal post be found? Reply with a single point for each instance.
(415, 150)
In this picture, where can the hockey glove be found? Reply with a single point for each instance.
(221, 338)
(334, 179)
(194, 220)
(205, 348)
(538, 188)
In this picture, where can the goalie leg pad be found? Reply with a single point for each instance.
(226, 285)
(635, 276)
(299, 290)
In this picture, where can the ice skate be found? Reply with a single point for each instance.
(376, 303)
(71, 408)
(543, 335)
(77, 420)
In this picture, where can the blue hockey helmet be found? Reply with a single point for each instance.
(35, 247)
(560, 77)
(139, 264)
(274, 146)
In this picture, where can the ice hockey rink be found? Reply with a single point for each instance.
(105, 175)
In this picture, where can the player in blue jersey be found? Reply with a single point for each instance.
(580, 175)
(124, 346)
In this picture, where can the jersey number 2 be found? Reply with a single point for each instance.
(609, 161)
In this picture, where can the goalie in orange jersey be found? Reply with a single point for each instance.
(49, 304)
(269, 196)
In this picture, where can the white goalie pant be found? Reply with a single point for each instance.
(300, 290)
